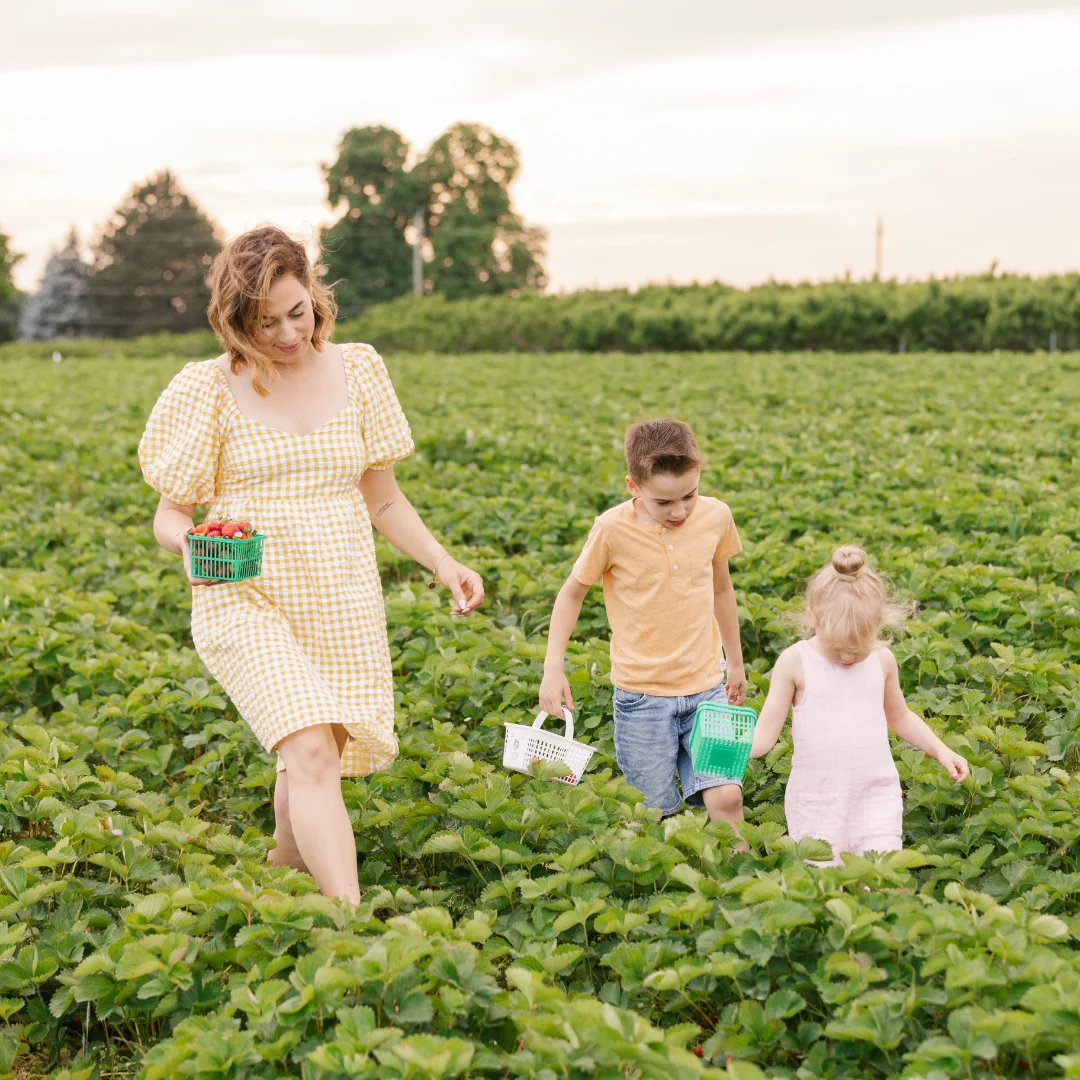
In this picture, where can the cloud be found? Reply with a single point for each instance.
(548, 40)
(742, 115)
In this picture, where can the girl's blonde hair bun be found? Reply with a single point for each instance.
(848, 603)
(848, 560)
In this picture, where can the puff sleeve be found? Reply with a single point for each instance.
(181, 445)
(386, 431)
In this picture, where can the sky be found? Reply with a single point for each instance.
(676, 141)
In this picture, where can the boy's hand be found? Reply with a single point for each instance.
(554, 693)
(955, 765)
(735, 683)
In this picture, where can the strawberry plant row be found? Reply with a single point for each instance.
(511, 926)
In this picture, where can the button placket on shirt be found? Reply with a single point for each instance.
(671, 553)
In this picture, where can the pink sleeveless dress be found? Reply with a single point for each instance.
(844, 787)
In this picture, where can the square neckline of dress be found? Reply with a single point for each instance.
(235, 405)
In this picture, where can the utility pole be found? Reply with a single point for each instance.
(418, 253)
(879, 240)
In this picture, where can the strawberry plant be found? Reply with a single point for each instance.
(511, 926)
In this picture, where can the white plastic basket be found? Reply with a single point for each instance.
(526, 742)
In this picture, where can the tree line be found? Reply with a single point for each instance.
(978, 313)
(149, 262)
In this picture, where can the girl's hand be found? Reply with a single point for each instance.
(466, 585)
(955, 765)
(554, 693)
(735, 683)
(185, 553)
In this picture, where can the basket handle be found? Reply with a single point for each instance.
(568, 716)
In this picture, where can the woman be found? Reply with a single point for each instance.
(298, 436)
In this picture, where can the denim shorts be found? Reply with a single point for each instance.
(652, 742)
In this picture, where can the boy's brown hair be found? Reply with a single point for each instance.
(660, 446)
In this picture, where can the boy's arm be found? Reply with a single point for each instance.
(727, 618)
(913, 729)
(555, 690)
(774, 712)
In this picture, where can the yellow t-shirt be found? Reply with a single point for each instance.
(658, 591)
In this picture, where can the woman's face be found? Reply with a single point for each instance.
(288, 322)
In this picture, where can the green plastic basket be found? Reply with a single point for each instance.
(222, 559)
(721, 740)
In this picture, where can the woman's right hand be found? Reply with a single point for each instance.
(554, 693)
(185, 552)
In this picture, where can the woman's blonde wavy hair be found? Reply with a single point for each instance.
(240, 284)
(848, 604)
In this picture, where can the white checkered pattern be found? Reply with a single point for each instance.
(305, 642)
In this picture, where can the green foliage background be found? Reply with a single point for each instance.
(10, 297)
(478, 244)
(959, 315)
(151, 262)
(511, 926)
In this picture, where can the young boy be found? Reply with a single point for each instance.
(663, 556)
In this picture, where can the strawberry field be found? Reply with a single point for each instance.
(512, 927)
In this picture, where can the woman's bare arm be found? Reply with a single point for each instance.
(396, 519)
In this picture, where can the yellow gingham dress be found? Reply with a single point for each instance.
(305, 642)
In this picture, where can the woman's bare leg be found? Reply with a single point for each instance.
(320, 823)
(286, 853)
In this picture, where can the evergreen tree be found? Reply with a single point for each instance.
(10, 297)
(58, 308)
(150, 263)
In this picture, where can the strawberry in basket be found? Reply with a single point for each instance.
(226, 530)
(225, 550)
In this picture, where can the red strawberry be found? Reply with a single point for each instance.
(699, 1051)
(201, 530)
(214, 533)
(245, 525)
(229, 531)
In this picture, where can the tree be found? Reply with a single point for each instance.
(366, 248)
(480, 244)
(58, 308)
(475, 243)
(151, 262)
(10, 297)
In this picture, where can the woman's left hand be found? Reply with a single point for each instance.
(466, 585)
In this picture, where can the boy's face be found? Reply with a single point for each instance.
(668, 500)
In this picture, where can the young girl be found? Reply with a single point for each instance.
(843, 688)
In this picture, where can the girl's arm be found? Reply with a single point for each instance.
(727, 618)
(913, 729)
(394, 516)
(774, 712)
(555, 690)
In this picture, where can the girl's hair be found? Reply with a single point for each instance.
(848, 604)
(240, 284)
